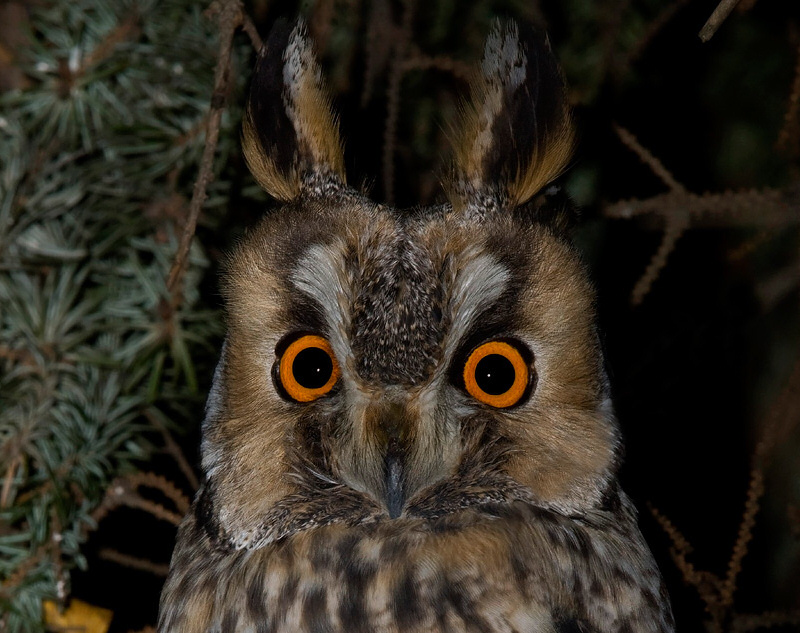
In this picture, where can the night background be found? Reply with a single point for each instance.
(686, 179)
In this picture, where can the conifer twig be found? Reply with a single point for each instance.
(8, 480)
(231, 16)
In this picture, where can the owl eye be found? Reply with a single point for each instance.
(307, 369)
(496, 374)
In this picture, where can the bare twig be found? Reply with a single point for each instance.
(123, 492)
(132, 500)
(764, 208)
(743, 623)
(677, 224)
(719, 15)
(718, 593)
(252, 32)
(134, 562)
(677, 221)
(173, 449)
(704, 583)
(751, 507)
(231, 16)
(781, 418)
(164, 486)
(647, 157)
(418, 61)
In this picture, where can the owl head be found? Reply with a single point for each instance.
(386, 364)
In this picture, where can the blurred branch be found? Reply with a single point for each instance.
(142, 564)
(677, 221)
(719, 15)
(173, 449)
(789, 136)
(124, 492)
(418, 61)
(647, 157)
(764, 208)
(717, 593)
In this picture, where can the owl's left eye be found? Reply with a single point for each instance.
(307, 369)
(497, 374)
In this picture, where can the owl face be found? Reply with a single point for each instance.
(383, 363)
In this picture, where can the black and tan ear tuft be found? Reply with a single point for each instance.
(516, 133)
(290, 136)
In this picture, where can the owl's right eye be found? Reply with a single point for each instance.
(307, 369)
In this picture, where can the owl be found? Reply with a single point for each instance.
(410, 427)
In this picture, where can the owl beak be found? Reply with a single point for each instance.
(393, 479)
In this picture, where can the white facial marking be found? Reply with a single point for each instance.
(321, 275)
(480, 283)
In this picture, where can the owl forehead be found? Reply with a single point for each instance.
(397, 296)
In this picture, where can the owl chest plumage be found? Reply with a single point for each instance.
(498, 568)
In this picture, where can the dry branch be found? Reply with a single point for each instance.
(123, 492)
(647, 157)
(677, 221)
(173, 449)
(142, 564)
(717, 593)
(762, 208)
(231, 17)
(719, 15)
(677, 224)
(418, 61)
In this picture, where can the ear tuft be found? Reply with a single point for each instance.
(290, 136)
(516, 133)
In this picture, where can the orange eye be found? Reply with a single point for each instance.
(307, 369)
(496, 374)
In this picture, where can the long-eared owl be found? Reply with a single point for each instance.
(410, 426)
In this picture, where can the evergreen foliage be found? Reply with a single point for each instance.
(99, 150)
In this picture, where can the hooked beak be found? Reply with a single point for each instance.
(393, 479)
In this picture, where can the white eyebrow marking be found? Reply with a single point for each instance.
(321, 274)
(480, 282)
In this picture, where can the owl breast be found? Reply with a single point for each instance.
(501, 569)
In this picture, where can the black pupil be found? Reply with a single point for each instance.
(312, 368)
(495, 374)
